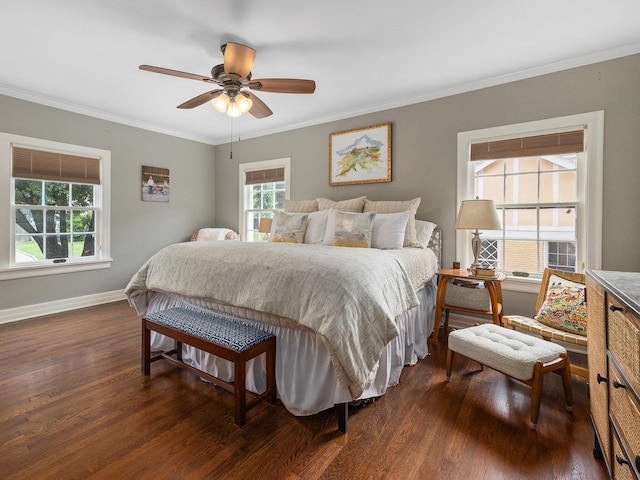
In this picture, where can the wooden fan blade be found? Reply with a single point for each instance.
(259, 109)
(238, 59)
(177, 73)
(283, 85)
(200, 99)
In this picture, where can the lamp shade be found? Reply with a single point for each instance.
(478, 215)
(265, 225)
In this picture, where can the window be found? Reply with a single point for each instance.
(58, 210)
(263, 189)
(546, 180)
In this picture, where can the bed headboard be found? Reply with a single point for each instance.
(435, 244)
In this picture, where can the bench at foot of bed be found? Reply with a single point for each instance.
(220, 336)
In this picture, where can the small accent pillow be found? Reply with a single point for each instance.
(410, 239)
(316, 226)
(353, 205)
(565, 307)
(347, 229)
(388, 230)
(424, 230)
(289, 227)
(300, 206)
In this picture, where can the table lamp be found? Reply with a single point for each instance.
(265, 227)
(477, 215)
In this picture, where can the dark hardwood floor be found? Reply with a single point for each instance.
(74, 404)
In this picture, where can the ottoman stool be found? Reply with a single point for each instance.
(518, 355)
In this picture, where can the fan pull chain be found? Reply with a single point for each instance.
(231, 142)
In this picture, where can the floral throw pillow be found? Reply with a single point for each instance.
(290, 227)
(565, 308)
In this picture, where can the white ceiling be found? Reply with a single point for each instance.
(365, 55)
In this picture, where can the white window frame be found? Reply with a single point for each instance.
(9, 269)
(589, 184)
(245, 198)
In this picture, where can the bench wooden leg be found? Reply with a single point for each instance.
(536, 393)
(146, 348)
(450, 354)
(240, 392)
(567, 385)
(271, 371)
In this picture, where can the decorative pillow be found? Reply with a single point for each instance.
(348, 229)
(565, 307)
(424, 230)
(388, 230)
(289, 227)
(300, 206)
(410, 239)
(353, 229)
(353, 205)
(316, 226)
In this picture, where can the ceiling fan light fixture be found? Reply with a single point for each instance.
(221, 102)
(244, 103)
(233, 110)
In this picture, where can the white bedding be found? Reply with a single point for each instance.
(347, 319)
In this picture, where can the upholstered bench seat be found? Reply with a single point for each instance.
(518, 355)
(220, 335)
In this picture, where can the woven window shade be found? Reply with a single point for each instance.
(534, 146)
(264, 176)
(57, 167)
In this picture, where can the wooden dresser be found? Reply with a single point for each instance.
(613, 303)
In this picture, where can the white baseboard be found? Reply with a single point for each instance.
(29, 311)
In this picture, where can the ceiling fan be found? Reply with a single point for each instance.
(234, 78)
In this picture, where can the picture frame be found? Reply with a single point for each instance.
(360, 155)
(155, 184)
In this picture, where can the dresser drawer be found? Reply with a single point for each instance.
(621, 468)
(624, 340)
(625, 415)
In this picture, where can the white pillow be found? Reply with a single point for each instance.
(388, 230)
(316, 226)
(424, 230)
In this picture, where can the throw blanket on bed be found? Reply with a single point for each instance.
(349, 296)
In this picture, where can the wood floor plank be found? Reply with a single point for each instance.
(75, 405)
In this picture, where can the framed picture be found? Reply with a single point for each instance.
(155, 184)
(362, 155)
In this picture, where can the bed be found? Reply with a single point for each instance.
(347, 320)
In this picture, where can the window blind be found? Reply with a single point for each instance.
(57, 167)
(534, 146)
(264, 176)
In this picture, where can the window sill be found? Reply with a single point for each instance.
(44, 270)
(522, 284)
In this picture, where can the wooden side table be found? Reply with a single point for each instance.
(492, 284)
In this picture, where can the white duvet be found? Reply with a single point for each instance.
(350, 297)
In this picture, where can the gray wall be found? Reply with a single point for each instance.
(424, 152)
(138, 229)
(205, 193)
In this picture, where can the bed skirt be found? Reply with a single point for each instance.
(305, 378)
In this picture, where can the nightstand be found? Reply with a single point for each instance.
(467, 296)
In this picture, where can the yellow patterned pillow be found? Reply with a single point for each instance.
(353, 229)
(290, 227)
(565, 307)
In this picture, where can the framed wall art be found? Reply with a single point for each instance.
(361, 155)
(155, 184)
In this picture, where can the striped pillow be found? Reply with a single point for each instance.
(352, 205)
(300, 206)
(388, 206)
